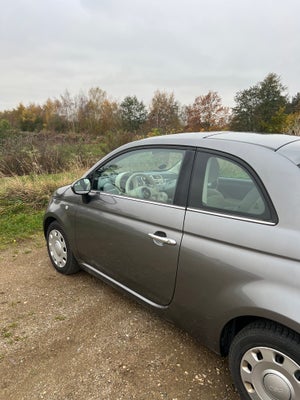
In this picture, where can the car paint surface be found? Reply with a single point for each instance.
(224, 267)
(124, 236)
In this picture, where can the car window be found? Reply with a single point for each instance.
(228, 187)
(149, 174)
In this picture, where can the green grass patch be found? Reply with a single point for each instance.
(23, 200)
(19, 225)
(60, 318)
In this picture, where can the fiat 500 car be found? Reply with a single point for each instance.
(204, 228)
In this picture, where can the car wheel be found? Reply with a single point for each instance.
(59, 250)
(264, 361)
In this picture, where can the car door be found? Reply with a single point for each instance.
(130, 229)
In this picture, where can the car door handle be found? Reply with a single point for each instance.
(160, 240)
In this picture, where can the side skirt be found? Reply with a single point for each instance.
(100, 275)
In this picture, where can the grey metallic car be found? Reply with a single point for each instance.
(204, 228)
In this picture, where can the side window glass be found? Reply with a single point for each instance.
(228, 187)
(144, 174)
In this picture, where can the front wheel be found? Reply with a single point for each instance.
(59, 250)
(264, 361)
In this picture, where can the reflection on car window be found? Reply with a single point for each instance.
(229, 187)
(144, 174)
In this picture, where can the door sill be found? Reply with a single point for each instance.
(118, 285)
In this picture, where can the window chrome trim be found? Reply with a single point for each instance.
(231, 216)
(137, 199)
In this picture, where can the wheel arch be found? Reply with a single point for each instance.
(46, 224)
(235, 325)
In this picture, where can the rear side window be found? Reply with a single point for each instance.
(226, 186)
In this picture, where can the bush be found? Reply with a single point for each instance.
(43, 153)
(114, 139)
(4, 125)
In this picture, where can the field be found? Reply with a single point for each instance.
(32, 166)
(23, 200)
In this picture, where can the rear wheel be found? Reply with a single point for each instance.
(59, 250)
(264, 361)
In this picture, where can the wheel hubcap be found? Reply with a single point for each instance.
(57, 248)
(268, 374)
(277, 387)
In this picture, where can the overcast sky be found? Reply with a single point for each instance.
(134, 47)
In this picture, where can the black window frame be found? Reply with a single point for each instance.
(195, 201)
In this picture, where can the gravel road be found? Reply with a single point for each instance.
(75, 338)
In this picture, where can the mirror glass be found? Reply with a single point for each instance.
(83, 186)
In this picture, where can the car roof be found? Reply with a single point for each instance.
(271, 141)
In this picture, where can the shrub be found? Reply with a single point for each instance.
(114, 139)
(4, 125)
(23, 154)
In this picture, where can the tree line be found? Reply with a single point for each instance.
(264, 107)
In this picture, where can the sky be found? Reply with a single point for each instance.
(135, 47)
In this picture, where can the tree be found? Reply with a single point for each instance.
(51, 118)
(67, 110)
(93, 113)
(110, 117)
(31, 117)
(293, 124)
(102, 114)
(207, 113)
(164, 113)
(261, 108)
(96, 98)
(133, 113)
(244, 114)
(293, 119)
(294, 104)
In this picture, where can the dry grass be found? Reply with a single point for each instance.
(33, 190)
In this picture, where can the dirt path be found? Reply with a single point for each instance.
(75, 338)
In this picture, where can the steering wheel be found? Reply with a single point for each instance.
(134, 181)
(120, 181)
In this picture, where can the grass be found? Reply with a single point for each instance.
(23, 200)
(19, 225)
(7, 331)
(60, 318)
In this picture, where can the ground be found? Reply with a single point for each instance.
(75, 338)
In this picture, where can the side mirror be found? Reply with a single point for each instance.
(82, 186)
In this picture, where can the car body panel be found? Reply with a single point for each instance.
(291, 151)
(227, 273)
(112, 236)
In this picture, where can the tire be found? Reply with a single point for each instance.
(59, 250)
(264, 360)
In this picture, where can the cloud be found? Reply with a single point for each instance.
(135, 47)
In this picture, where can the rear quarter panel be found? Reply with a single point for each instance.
(230, 268)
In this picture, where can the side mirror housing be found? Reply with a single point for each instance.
(82, 186)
